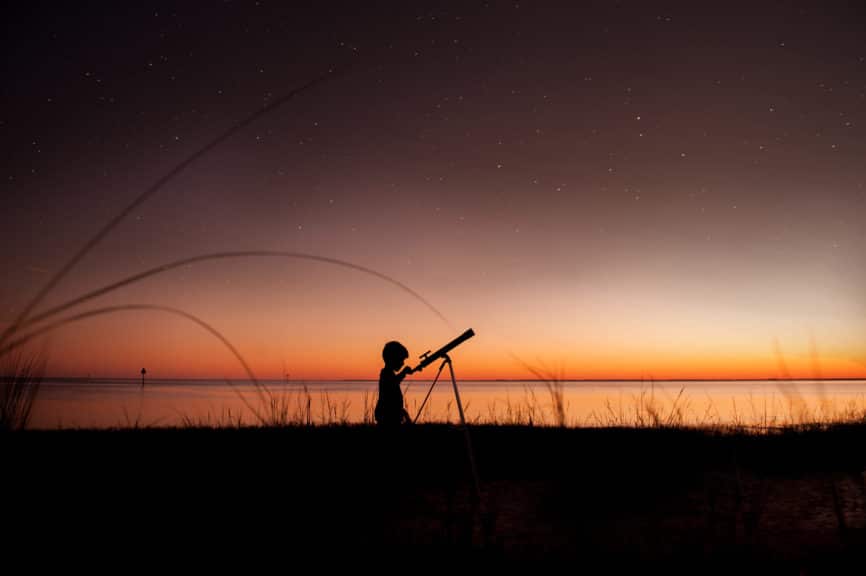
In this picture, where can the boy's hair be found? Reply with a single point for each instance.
(395, 351)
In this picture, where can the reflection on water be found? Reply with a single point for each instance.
(123, 403)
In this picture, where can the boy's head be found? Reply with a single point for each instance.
(394, 354)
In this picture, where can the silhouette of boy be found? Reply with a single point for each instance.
(389, 408)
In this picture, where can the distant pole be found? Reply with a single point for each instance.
(143, 372)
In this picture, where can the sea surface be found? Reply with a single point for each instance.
(109, 403)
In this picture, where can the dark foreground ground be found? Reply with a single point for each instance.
(587, 500)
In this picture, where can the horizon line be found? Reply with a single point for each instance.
(319, 380)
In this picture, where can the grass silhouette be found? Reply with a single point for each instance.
(21, 340)
(132, 279)
(19, 385)
(146, 195)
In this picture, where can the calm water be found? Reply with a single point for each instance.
(113, 403)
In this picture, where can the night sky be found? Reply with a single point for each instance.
(603, 190)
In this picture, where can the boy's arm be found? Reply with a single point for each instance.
(404, 372)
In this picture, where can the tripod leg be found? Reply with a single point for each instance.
(476, 481)
(424, 403)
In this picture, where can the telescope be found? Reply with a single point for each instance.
(427, 358)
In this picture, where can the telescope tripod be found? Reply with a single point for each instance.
(447, 361)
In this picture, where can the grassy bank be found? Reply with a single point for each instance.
(793, 500)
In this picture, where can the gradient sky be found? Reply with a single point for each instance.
(601, 190)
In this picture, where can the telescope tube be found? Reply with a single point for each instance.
(430, 358)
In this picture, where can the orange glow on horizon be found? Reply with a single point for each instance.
(169, 357)
(332, 324)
